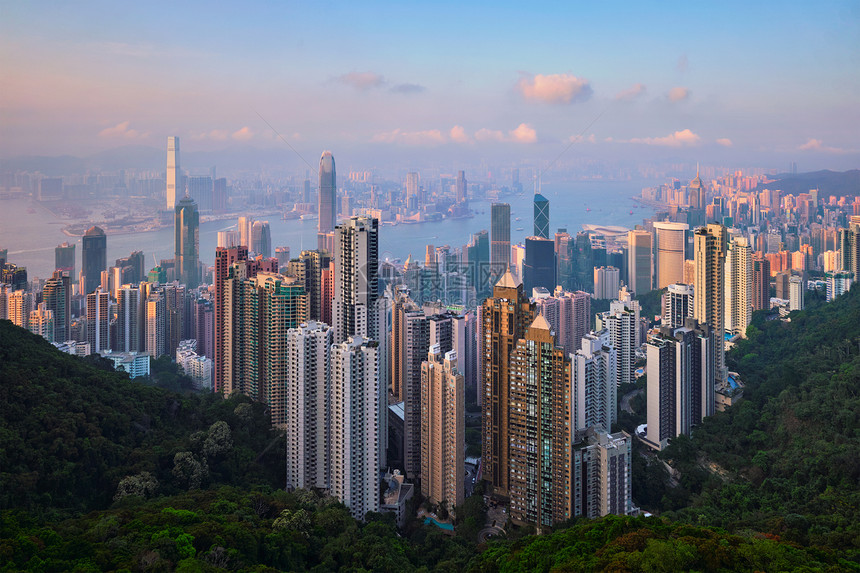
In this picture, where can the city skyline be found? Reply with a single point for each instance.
(734, 83)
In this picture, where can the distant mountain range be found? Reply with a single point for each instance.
(826, 181)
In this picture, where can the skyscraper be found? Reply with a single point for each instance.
(20, 304)
(327, 197)
(174, 172)
(541, 216)
(412, 201)
(261, 239)
(500, 240)
(462, 190)
(574, 318)
(681, 388)
(639, 271)
(795, 293)
(761, 283)
(539, 429)
(443, 431)
(708, 304)
(595, 372)
(606, 282)
(603, 476)
(98, 320)
(622, 322)
(186, 229)
(504, 319)
(356, 281)
(355, 427)
(41, 322)
(539, 268)
(57, 298)
(669, 246)
(245, 224)
(739, 286)
(306, 420)
(477, 255)
(155, 325)
(64, 258)
(128, 315)
(677, 305)
(93, 258)
(309, 267)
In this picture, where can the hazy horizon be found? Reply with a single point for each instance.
(392, 85)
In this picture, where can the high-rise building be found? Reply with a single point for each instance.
(186, 229)
(201, 190)
(708, 304)
(228, 239)
(603, 476)
(639, 272)
(477, 255)
(283, 256)
(677, 305)
(595, 390)
(174, 172)
(98, 320)
(504, 319)
(356, 280)
(796, 290)
(307, 391)
(261, 239)
(354, 427)
(327, 197)
(410, 339)
(670, 242)
(412, 201)
(93, 258)
(462, 190)
(539, 268)
(57, 298)
(622, 322)
(606, 282)
(541, 216)
(20, 304)
(259, 309)
(539, 429)
(574, 318)
(849, 247)
(761, 284)
(309, 267)
(681, 389)
(838, 283)
(500, 240)
(128, 318)
(738, 286)
(41, 322)
(244, 227)
(443, 432)
(64, 258)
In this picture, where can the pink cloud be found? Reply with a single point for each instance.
(818, 145)
(581, 139)
(121, 130)
(485, 134)
(631, 93)
(678, 139)
(243, 134)
(725, 142)
(679, 94)
(524, 133)
(459, 135)
(554, 88)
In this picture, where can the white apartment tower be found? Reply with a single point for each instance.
(307, 406)
(98, 320)
(738, 289)
(354, 425)
(622, 322)
(595, 392)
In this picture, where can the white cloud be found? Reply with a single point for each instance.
(678, 139)
(485, 134)
(725, 142)
(554, 88)
(427, 137)
(582, 139)
(524, 133)
(122, 131)
(243, 134)
(678, 94)
(362, 80)
(631, 93)
(459, 135)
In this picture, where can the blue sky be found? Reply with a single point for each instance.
(767, 81)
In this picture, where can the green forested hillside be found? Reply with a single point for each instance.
(98, 472)
(71, 430)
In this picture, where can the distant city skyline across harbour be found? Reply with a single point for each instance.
(32, 237)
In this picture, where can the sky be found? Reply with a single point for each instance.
(722, 82)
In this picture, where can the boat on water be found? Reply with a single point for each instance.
(308, 217)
